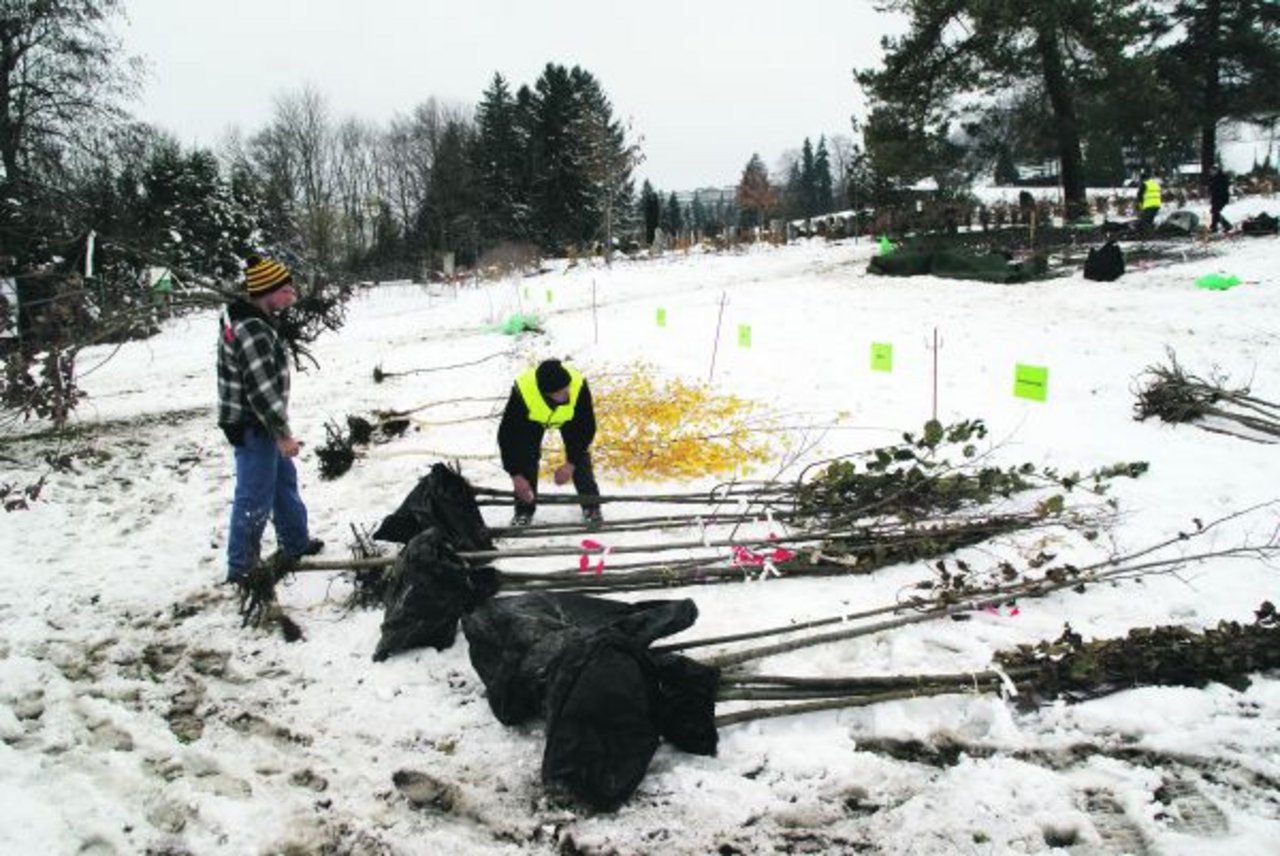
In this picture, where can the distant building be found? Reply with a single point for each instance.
(708, 196)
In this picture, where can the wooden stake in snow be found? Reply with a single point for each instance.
(715, 345)
(595, 318)
(935, 347)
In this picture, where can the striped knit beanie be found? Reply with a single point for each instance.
(263, 276)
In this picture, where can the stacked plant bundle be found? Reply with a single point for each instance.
(1172, 395)
(901, 503)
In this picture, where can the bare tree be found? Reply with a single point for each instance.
(755, 193)
(302, 129)
(61, 74)
(843, 155)
(355, 183)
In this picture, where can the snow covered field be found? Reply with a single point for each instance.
(136, 716)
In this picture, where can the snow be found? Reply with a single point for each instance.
(136, 715)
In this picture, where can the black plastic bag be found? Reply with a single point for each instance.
(441, 499)
(516, 642)
(601, 720)
(685, 703)
(429, 589)
(1105, 263)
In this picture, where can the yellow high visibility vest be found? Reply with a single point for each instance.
(539, 410)
(1151, 193)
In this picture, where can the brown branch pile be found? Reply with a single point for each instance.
(1172, 395)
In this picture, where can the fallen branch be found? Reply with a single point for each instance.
(379, 375)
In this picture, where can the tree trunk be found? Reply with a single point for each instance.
(1212, 88)
(1068, 129)
(608, 230)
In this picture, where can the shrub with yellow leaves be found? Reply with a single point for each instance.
(673, 429)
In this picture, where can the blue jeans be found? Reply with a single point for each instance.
(266, 485)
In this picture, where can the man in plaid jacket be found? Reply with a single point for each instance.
(253, 412)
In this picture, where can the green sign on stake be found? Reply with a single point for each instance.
(744, 335)
(1031, 382)
(550, 295)
(662, 317)
(881, 357)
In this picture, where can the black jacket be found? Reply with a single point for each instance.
(520, 438)
(1219, 190)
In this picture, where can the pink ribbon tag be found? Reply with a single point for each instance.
(584, 561)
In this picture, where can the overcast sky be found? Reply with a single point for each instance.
(705, 83)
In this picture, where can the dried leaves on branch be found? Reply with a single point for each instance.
(653, 430)
(1173, 395)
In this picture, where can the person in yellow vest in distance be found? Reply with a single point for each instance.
(1148, 201)
(552, 395)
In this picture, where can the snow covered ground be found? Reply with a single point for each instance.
(136, 716)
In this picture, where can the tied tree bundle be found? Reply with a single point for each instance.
(1172, 395)
(1068, 667)
(1072, 668)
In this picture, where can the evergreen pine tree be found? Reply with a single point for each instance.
(807, 190)
(672, 218)
(650, 211)
(822, 181)
(497, 164)
(697, 215)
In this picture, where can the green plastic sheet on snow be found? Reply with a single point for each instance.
(957, 264)
(1218, 281)
(519, 323)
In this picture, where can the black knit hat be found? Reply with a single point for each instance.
(552, 376)
(263, 276)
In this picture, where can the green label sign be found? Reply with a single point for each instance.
(881, 357)
(1031, 382)
(662, 317)
(744, 335)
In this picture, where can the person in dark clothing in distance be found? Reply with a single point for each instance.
(552, 395)
(1219, 196)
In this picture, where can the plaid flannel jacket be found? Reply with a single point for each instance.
(253, 371)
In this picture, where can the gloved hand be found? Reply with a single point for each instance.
(564, 473)
(524, 490)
